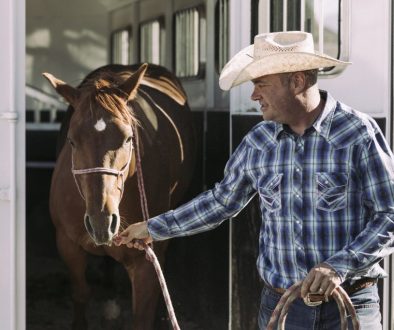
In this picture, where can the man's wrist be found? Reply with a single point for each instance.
(148, 231)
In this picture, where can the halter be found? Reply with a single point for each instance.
(103, 170)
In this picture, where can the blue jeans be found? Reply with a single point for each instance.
(325, 316)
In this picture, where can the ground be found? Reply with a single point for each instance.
(197, 284)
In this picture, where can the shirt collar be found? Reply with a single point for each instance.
(323, 123)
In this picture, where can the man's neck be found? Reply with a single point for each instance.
(310, 107)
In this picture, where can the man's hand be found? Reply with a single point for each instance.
(134, 235)
(321, 279)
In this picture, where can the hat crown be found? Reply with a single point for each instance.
(282, 42)
(274, 53)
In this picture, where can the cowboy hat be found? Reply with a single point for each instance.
(273, 53)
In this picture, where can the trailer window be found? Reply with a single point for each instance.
(222, 34)
(323, 18)
(151, 42)
(120, 46)
(190, 41)
(285, 15)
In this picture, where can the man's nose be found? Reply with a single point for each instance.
(255, 96)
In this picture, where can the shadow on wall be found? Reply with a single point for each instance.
(67, 38)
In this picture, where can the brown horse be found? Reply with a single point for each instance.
(94, 190)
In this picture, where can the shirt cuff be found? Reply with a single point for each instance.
(157, 228)
(341, 271)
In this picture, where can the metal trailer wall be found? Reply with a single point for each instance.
(12, 166)
(366, 85)
(203, 91)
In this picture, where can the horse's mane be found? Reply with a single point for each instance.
(102, 91)
(100, 88)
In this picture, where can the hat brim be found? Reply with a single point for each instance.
(242, 67)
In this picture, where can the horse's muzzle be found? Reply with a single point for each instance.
(102, 228)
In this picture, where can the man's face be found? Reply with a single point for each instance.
(274, 97)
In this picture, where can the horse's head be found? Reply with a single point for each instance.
(101, 138)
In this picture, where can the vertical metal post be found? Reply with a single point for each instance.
(12, 164)
(284, 15)
(239, 38)
(321, 25)
(302, 18)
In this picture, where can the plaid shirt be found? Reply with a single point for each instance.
(326, 196)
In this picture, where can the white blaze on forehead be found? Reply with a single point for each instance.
(100, 125)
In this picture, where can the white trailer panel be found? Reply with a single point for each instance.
(12, 165)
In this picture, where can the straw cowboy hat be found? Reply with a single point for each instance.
(275, 53)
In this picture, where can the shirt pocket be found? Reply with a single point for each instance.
(331, 190)
(270, 191)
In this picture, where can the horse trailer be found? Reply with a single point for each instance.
(212, 276)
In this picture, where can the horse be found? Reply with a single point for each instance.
(120, 119)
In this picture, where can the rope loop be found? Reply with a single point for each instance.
(339, 295)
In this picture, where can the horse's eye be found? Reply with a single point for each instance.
(71, 142)
(128, 139)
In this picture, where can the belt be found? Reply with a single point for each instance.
(358, 285)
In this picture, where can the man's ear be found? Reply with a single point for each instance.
(298, 82)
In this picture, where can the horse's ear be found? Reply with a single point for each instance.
(70, 93)
(130, 86)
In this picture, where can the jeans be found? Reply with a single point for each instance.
(325, 316)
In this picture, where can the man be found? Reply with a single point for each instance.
(325, 177)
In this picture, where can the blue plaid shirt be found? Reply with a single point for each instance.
(326, 196)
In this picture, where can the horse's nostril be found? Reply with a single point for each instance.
(88, 226)
(114, 223)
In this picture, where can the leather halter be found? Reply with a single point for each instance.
(103, 170)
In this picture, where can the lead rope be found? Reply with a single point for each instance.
(150, 255)
(140, 179)
(294, 292)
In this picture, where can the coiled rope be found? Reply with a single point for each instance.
(340, 296)
(150, 255)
